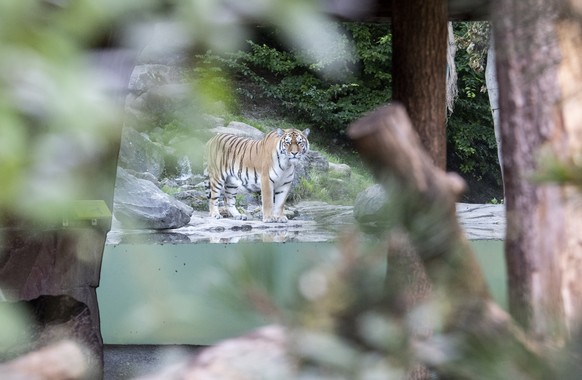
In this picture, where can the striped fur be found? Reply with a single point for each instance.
(266, 165)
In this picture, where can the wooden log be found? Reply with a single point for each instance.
(483, 336)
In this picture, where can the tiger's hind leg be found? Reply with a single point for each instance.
(230, 191)
(214, 190)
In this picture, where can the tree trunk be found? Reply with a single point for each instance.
(527, 56)
(419, 70)
(419, 50)
(570, 81)
(493, 92)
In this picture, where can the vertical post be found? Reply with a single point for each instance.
(419, 64)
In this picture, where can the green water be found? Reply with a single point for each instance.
(167, 294)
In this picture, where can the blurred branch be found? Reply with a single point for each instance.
(476, 336)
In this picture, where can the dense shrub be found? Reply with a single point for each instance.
(306, 92)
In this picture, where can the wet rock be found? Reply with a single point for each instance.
(140, 204)
(157, 238)
(329, 216)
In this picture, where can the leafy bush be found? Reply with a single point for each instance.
(332, 187)
(305, 92)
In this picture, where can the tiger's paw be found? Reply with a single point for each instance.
(215, 215)
(240, 217)
(276, 219)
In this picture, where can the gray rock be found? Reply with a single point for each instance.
(169, 182)
(369, 203)
(240, 129)
(312, 161)
(139, 203)
(340, 170)
(196, 199)
(148, 76)
(140, 154)
(316, 161)
(159, 104)
(186, 146)
(330, 217)
(147, 176)
(213, 121)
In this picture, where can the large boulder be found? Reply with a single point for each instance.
(147, 76)
(340, 170)
(369, 204)
(316, 161)
(140, 154)
(159, 105)
(140, 204)
(240, 129)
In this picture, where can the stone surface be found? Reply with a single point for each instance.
(57, 270)
(240, 129)
(140, 204)
(140, 154)
(316, 161)
(261, 354)
(482, 221)
(314, 222)
(368, 204)
(146, 76)
(340, 170)
(194, 198)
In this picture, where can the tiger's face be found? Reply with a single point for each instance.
(293, 143)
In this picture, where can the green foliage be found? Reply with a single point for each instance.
(304, 91)
(310, 189)
(559, 171)
(331, 187)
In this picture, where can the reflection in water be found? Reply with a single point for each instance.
(316, 223)
(203, 229)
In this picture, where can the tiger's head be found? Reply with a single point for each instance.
(293, 143)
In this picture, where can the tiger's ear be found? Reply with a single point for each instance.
(279, 132)
(306, 132)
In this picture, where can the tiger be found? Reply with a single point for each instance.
(266, 166)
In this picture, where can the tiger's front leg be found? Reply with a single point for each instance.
(274, 202)
(267, 196)
(279, 199)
